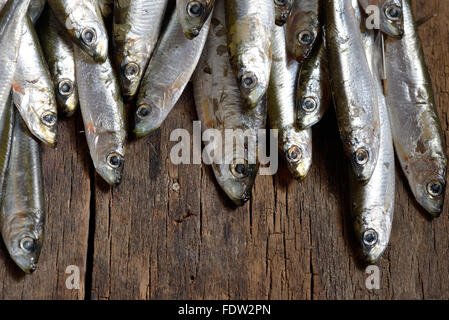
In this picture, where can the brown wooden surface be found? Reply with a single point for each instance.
(149, 240)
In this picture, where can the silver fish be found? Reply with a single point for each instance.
(391, 20)
(6, 132)
(418, 138)
(58, 50)
(373, 202)
(103, 115)
(137, 25)
(313, 89)
(12, 15)
(192, 15)
(84, 22)
(294, 144)
(303, 28)
(282, 9)
(33, 89)
(219, 106)
(168, 73)
(353, 87)
(35, 9)
(249, 25)
(22, 217)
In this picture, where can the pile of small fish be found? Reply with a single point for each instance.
(249, 61)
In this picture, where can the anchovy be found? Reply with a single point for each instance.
(418, 138)
(192, 15)
(136, 30)
(294, 144)
(84, 22)
(6, 132)
(33, 89)
(249, 28)
(22, 217)
(282, 10)
(58, 50)
(390, 18)
(353, 86)
(373, 203)
(219, 106)
(313, 89)
(12, 15)
(103, 115)
(168, 73)
(303, 28)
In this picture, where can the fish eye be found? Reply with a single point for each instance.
(239, 168)
(294, 154)
(281, 3)
(143, 111)
(49, 118)
(114, 160)
(361, 156)
(195, 9)
(65, 87)
(306, 37)
(370, 237)
(89, 36)
(309, 105)
(435, 188)
(27, 244)
(248, 80)
(131, 71)
(393, 12)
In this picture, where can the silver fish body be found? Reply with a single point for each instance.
(58, 51)
(418, 138)
(249, 26)
(303, 28)
(353, 88)
(22, 217)
(84, 23)
(314, 92)
(294, 144)
(192, 15)
(136, 29)
(220, 106)
(167, 75)
(6, 132)
(12, 15)
(391, 20)
(373, 203)
(282, 9)
(103, 115)
(33, 89)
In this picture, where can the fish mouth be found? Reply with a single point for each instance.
(431, 196)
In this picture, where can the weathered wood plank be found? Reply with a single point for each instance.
(67, 196)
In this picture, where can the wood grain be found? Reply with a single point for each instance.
(168, 232)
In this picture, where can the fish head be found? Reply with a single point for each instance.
(282, 10)
(89, 29)
(392, 21)
(308, 106)
(148, 117)
(109, 162)
(67, 96)
(429, 184)
(302, 33)
(23, 236)
(236, 170)
(363, 161)
(192, 15)
(296, 147)
(373, 227)
(42, 121)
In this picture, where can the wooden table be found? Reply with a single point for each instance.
(149, 239)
